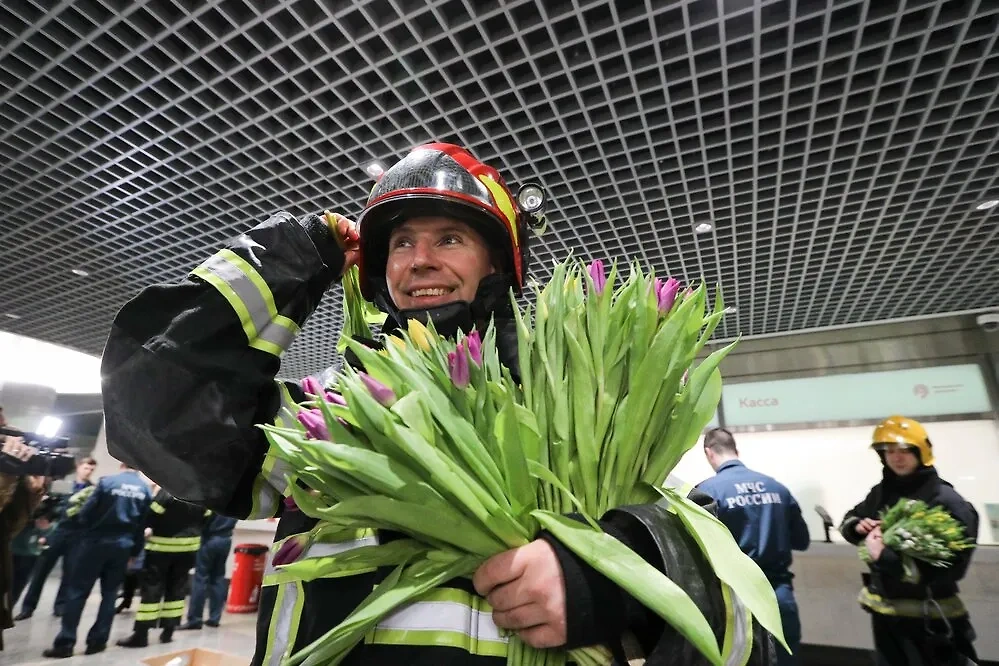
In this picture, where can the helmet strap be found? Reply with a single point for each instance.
(492, 300)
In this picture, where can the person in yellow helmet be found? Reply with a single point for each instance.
(922, 623)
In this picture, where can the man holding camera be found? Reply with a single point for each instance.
(19, 495)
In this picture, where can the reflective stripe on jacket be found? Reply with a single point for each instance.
(951, 607)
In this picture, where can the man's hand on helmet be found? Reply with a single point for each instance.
(345, 233)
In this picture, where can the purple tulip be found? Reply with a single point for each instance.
(383, 394)
(290, 505)
(312, 386)
(474, 344)
(666, 294)
(597, 275)
(314, 423)
(335, 398)
(291, 549)
(457, 363)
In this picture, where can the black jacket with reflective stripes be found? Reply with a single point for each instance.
(189, 371)
(176, 526)
(887, 574)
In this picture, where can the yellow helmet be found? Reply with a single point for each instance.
(902, 431)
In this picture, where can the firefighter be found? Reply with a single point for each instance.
(922, 623)
(189, 371)
(173, 536)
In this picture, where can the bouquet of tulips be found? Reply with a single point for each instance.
(918, 532)
(438, 441)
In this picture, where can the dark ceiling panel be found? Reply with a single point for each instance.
(839, 148)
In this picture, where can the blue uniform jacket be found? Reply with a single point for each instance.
(762, 515)
(116, 511)
(219, 526)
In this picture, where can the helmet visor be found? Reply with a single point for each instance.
(428, 171)
(892, 447)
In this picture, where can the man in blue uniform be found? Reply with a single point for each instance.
(209, 572)
(111, 522)
(765, 519)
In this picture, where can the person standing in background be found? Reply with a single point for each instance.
(65, 533)
(209, 572)
(130, 585)
(919, 622)
(110, 524)
(28, 545)
(131, 582)
(765, 519)
(173, 537)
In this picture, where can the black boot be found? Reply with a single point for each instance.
(23, 615)
(138, 639)
(58, 652)
(167, 635)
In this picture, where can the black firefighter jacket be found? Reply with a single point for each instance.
(189, 371)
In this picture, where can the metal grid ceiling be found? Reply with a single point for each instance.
(839, 147)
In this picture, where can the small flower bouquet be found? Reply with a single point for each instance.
(436, 440)
(918, 532)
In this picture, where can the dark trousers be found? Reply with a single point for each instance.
(128, 588)
(58, 546)
(903, 641)
(791, 622)
(92, 560)
(23, 566)
(209, 579)
(161, 585)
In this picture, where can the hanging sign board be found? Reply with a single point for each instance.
(935, 391)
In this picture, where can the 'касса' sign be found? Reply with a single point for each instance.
(938, 391)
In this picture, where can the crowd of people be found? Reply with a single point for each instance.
(441, 238)
(122, 532)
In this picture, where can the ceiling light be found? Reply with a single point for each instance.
(704, 227)
(987, 205)
(80, 272)
(374, 169)
(49, 426)
(731, 310)
(11, 315)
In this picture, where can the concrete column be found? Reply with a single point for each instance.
(106, 464)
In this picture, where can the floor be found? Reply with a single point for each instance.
(26, 641)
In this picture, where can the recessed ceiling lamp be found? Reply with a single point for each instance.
(11, 315)
(49, 426)
(374, 169)
(704, 227)
(80, 272)
(986, 205)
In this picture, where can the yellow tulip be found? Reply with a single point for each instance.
(419, 334)
(399, 344)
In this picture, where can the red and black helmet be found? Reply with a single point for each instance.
(441, 179)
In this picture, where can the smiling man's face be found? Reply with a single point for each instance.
(433, 261)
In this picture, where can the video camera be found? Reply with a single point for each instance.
(51, 507)
(49, 461)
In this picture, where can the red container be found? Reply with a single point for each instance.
(247, 575)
